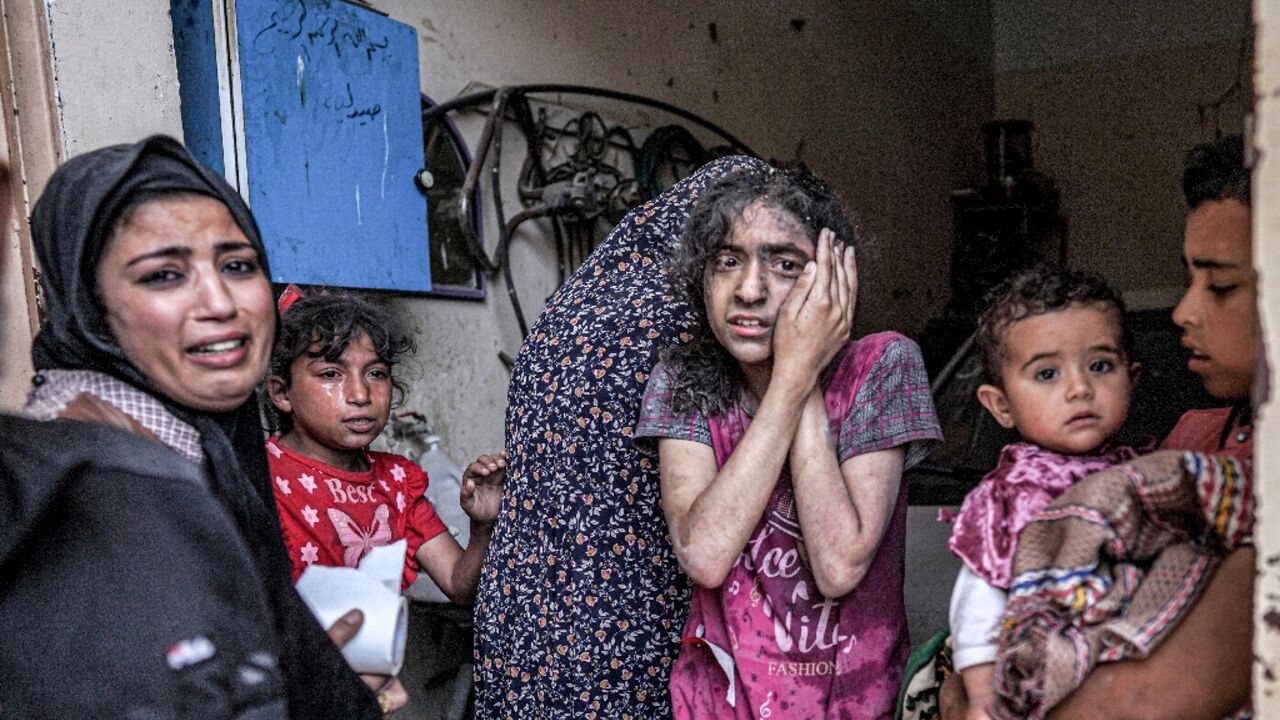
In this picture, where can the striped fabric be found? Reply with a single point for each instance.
(1226, 497)
(1106, 570)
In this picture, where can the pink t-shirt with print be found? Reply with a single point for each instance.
(766, 643)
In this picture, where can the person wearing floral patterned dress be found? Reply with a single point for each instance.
(581, 601)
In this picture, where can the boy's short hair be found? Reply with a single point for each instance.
(1045, 288)
(333, 321)
(1216, 171)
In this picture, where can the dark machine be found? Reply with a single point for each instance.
(1010, 223)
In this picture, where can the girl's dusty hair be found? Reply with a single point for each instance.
(707, 378)
(331, 321)
(1042, 289)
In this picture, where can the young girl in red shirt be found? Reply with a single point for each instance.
(331, 389)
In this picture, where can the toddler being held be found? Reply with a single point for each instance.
(1056, 354)
(331, 387)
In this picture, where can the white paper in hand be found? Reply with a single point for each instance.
(374, 589)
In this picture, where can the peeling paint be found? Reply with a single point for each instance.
(302, 81)
(386, 157)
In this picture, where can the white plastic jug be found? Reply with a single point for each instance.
(444, 483)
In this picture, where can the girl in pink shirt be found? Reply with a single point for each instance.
(781, 447)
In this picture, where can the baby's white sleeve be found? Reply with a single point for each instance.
(977, 609)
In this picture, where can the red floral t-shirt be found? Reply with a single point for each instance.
(334, 517)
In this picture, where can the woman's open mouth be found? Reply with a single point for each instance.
(219, 353)
(1198, 362)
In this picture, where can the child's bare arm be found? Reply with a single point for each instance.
(979, 686)
(454, 569)
(844, 509)
(441, 557)
(711, 513)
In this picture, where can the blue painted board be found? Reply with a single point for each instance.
(333, 140)
(196, 51)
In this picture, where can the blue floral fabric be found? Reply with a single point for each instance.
(581, 600)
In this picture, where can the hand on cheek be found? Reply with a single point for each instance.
(817, 316)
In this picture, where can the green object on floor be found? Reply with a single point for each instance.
(928, 666)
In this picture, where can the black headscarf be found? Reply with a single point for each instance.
(71, 225)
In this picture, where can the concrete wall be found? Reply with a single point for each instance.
(1032, 34)
(15, 315)
(115, 73)
(1266, 258)
(884, 100)
(1118, 92)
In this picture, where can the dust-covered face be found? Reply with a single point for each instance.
(750, 277)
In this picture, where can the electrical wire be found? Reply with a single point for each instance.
(484, 96)
(584, 187)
